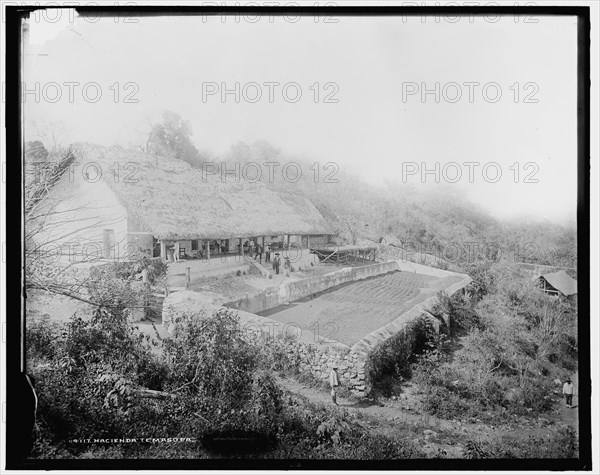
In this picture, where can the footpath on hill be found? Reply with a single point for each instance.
(394, 415)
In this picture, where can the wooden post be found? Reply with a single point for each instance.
(187, 277)
(208, 249)
(163, 250)
(166, 291)
(308, 241)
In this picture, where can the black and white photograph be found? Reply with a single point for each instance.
(299, 236)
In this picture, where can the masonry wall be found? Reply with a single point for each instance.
(303, 288)
(318, 361)
(291, 291)
(316, 355)
(255, 302)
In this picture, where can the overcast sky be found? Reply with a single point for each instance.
(369, 115)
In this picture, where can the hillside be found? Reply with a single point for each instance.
(440, 221)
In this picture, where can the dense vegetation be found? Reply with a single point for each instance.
(101, 379)
(499, 358)
(512, 344)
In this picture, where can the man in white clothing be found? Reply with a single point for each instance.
(568, 392)
(334, 382)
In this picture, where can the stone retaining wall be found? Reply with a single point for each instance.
(318, 361)
(295, 290)
(303, 288)
(317, 354)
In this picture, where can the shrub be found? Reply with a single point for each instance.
(88, 382)
(218, 374)
(391, 358)
(157, 269)
(560, 444)
(41, 336)
(461, 311)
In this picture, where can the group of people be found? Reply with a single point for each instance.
(252, 249)
(277, 263)
(216, 247)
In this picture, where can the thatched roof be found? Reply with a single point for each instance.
(172, 200)
(562, 282)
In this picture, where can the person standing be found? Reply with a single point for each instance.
(268, 254)
(568, 392)
(276, 263)
(334, 382)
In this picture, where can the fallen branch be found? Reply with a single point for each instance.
(151, 393)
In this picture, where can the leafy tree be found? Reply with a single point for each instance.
(172, 138)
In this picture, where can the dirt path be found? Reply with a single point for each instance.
(387, 413)
(396, 414)
(571, 416)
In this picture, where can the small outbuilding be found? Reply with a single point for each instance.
(558, 283)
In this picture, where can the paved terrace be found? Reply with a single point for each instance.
(200, 269)
(204, 271)
(349, 312)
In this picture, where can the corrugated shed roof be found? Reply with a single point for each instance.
(562, 282)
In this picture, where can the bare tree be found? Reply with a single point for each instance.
(52, 133)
